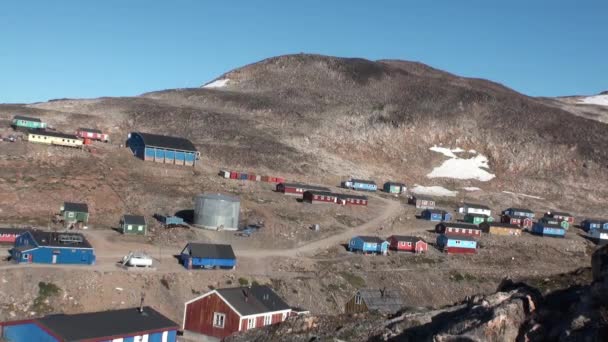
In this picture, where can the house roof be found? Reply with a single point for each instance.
(306, 186)
(406, 238)
(436, 211)
(595, 220)
(386, 301)
(522, 210)
(54, 134)
(363, 181)
(26, 118)
(212, 251)
(423, 198)
(477, 215)
(92, 130)
(518, 217)
(558, 213)
(106, 324)
(253, 300)
(550, 225)
(52, 239)
(500, 224)
(322, 193)
(13, 230)
(134, 219)
(76, 207)
(165, 141)
(370, 239)
(458, 225)
(474, 205)
(352, 196)
(394, 183)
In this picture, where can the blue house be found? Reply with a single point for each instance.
(513, 212)
(36, 246)
(453, 244)
(548, 229)
(163, 149)
(436, 215)
(359, 184)
(589, 224)
(207, 255)
(368, 244)
(125, 325)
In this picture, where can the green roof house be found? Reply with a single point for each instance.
(133, 224)
(27, 122)
(477, 218)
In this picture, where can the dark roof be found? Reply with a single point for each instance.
(474, 205)
(14, 230)
(394, 183)
(352, 196)
(363, 181)
(435, 211)
(559, 213)
(164, 141)
(322, 193)
(54, 134)
(520, 210)
(423, 198)
(595, 220)
(547, 219)
(459, 237)
(26, 118)
(601, 230)
(406, 238)
(134, 219)
(476, 215)
(385, 301)
(500, 224)
(306, 186)
(76, 207)
(52, 239)
(253, 300)
(371, 239)
(92, 130)
(550, 225)
(518, 217)
(209, 250)
(106, 324)
(458, 225)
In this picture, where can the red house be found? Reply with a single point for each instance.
(223, 312)
(347, 199)
(456, 228)
(560, 216)
(312, 196)
(93, 134)
(521, 221)
(407, 244)
(297, 189)
(8, 235)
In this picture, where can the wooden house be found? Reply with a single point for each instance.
(599, 235)
(477, 218)
(54, 138)
(457, 228)
(499, 228)
(554, 221)
(133, 224)
(313, 196)
(92, 134)
(75, 214)
(36, 246)
(298, 189)
(9, 235)
(472, 208)
(128, 325)
(436, 215)
(588, 224)
(26, 122)
(383, 301)
(360, 184)
(163, 149)
(407, 244)
(453, 244)
(223, 312)
(394, 188)
(207, 255)
(421, 202)
(521, 221)
(350, 199)
(518, 212)
(548, 229)
(368, 245)
(561, 216)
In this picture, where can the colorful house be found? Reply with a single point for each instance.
(554, 221)
(453, 244)
(588, 224)
(163, 149)
(349, 199)
(223, 312)
(75, 214)
(599, 235)
(421, 202)
(133, 224)
(477, 218)
(518, 212)
(313, 196)
(457, 228)
(471, 208)
(499, 228)
(27, 122)
(298, 189)
(54, 138)
(368, 244)
(92, 134)
(521, 221)
(383, 301)
(436, 215)
(9, 235)
(561, 216)
(548, 229)
(407, 244)
(394, 188)
(207, 255)
(40, 247)
(360, 184)
(128, 325)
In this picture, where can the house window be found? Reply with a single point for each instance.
(70, 214)
(402, 243)
(358, 299)
(267, 319)
(409, 244)
(129, 227)
(250, 323)
(470, 231)
(457, 230)
(25, 256)
(140, 228)
(458, 242)
(218, 320)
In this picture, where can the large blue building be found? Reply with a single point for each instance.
(163, 149)
(125, 325)
(589, 224)
(436, 215)
(37, 246)
(548, 229)
(207, 255)
(368, 244)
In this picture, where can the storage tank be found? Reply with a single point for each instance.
(216, 211)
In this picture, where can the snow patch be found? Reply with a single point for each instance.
(522, 195)
(600, 100)
(217, 83)
(461, 168)
(433, 191)
(471, 188)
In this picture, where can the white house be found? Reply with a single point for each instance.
(469, 208)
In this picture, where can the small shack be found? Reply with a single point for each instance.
(384, 301)
(499, 228)
(436, 215)
(368, 245)
(133, 224)
(421, 202)
(394, 188)
(207, 255)
(477, 218)
(521, 221)
(75, 214)
(407, 244)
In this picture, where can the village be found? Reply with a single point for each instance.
(459, 231)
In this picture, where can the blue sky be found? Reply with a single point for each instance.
(69, 48)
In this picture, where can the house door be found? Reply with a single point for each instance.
(54, 259)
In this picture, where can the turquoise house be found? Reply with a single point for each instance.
(452, 244)
(368, 244)
(27, 122)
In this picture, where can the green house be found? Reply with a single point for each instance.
(75, 213)
(27, 122)
(394, 188)
(477, 218)
(133, 224)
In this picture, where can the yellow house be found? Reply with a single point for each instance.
(53, 138)
(497, 228)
